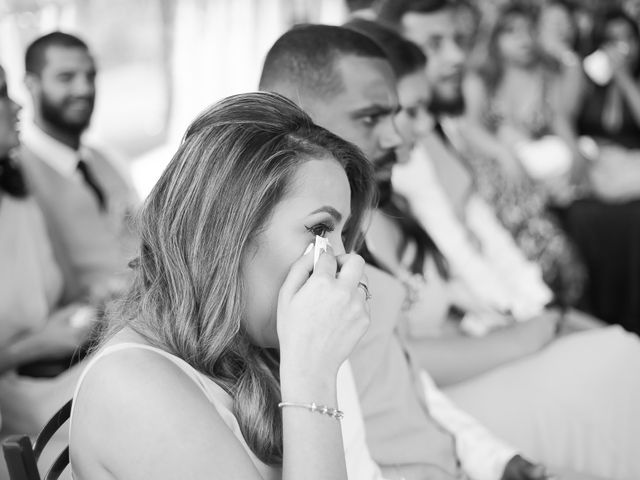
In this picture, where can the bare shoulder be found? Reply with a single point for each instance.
(138, 415)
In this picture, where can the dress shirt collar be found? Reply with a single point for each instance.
(62, 158)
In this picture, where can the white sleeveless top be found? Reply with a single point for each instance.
(220, 400)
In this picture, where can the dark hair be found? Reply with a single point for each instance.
(305, 57)
(235, 163)
(392, 11)
(600, 30)
(34, 58)
(404, 56)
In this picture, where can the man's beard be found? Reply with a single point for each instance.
(53, 114)
(383, 181)
(440, 105)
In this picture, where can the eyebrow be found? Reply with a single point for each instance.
(330, 210)
(376, 110)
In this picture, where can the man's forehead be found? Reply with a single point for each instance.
(365, 82)
(57, 57)
(419, 27)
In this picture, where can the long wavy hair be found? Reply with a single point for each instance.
(236, 162)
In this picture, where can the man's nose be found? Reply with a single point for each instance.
(389, 136)
(84, 85)
(454, 53)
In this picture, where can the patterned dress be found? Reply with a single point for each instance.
(522, 209)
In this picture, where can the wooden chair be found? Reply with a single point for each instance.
(22, 457)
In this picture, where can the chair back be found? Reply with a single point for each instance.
(22, 457)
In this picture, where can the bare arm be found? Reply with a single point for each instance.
(57, 339)
(455, 359)
(155, 422)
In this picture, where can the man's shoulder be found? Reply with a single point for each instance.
(108, 161)
(33, 164)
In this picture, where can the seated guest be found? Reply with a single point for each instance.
(525, 97)
(248, 342)
(37, 335)
(610, 107)
(552, 440)
(612, 114)
(520, 206)
(84, 197)
(390, 238)
(606, 228)
(413, 431)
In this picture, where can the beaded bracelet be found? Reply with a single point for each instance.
(313, 407)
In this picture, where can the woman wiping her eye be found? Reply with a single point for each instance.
(221, 362)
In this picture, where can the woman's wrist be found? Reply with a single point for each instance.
(300, 383)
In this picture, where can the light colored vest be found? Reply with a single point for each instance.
(403, 438)
(92, 247)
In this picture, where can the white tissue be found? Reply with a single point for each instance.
(320, 246)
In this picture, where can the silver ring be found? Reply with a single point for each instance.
(365, 289)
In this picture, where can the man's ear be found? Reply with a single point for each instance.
(32, 82)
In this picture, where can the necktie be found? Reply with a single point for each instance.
(93, 185)
(11, 179)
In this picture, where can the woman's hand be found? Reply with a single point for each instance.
(322, 313)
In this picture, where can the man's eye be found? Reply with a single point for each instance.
(370, 120)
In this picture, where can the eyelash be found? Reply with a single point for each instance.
(320, 229)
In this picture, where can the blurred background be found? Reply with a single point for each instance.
(159, 61)
(162, 61)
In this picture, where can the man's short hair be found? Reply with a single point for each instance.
(392, 11)
(404, 56)
(34, 59)
(305, 58)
